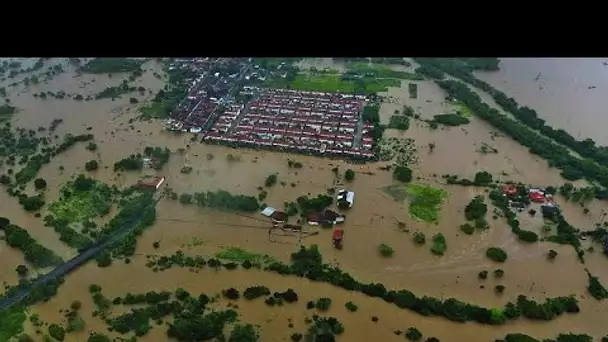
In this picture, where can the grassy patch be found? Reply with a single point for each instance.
(80, 205)
(382, 71)
(335, 83)
(462, 109)
(425, 202)
(156, 110)
(12, 322)
(236, 254)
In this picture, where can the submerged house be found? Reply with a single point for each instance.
(346, 199)
(275, 215)
(152, 183)
(550, 210)
(324, 217)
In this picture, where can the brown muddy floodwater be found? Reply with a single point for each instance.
(372, 221)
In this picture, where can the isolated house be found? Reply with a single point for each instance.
(275, 215)
(346, 199)
(152, 183)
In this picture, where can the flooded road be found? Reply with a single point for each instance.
(373, 220)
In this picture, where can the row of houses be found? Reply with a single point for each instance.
(307, 145)
(307, 94)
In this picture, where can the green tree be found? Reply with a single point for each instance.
(39, 184)
(402, 173)
(91, 165)
(349, 175)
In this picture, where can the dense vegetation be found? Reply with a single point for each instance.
(517, 337)
(450, 119)
(308, 263)
(80, 202)
(111, 65)
(188, 317)
(595, 288)
(496, 254)
(221, 200)
(34, 253)
(402, 173)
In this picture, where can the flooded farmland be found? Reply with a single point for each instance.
(376, 217)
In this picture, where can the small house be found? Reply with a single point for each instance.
(325, 217)
(152, 183)
(346, 199)
(550, 210)
(275, 215)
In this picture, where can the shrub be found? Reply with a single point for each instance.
(496, 254)
(231, 293)
(75, 324)
(483, 274)
(402, 173)
(439, 244)
(323, 304)
(499, 273)
(476, 209)
(419, 238)
(271, 180)
(57, 332)
(31, 203)
(91, 146)
(296, 337)
(386, 250)
(243, 333)
(39, 184)
(413, 334)
(499, 289)
(349, 175)
(22, 270)
(483, 178)
(254, 292)
(25, 338)
(76, 305)
(97, 337)
(91, 165)
(552, 254)
(595, 288)
(350, 306)
(432, 339)
(467, 228)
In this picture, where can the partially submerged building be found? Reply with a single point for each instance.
(346, 199)
(324, 217)
(151, 183)
(275, 215)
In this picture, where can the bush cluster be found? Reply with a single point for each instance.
(496, 254)
(34, 253)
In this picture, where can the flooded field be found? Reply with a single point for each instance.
(375, 218)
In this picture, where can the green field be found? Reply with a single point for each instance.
(462, 109)
(79, 206)
(236, 254)
(382, 71)
(424, 200)
(334, 84)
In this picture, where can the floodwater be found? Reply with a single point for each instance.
(570, 93)
(372, 221)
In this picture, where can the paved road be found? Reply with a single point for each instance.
(72, 264)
